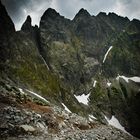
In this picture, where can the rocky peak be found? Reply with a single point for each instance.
(136, 22)
(36, 26)
(117, 17)
(27, 25)
(134, 27)
(102, 14)
(29, 19)
(54, 26)
(6, 24)
(82, 13)
(50, 13)
(112, 14)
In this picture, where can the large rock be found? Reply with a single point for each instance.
(27, 128)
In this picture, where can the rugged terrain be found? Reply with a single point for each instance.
(63, 60)
(25, 115)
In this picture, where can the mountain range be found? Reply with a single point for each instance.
(89, 65)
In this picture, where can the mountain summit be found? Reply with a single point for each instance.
(50, 13)
(27, 26)
(82, 13)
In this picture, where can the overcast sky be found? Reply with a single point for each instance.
(19, 9)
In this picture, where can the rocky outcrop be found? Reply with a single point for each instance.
(119, 98)
(83, 13)
(124, 98)
(56, 26)
(27, 27)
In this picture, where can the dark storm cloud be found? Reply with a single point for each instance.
(14, 7)
(19, 9)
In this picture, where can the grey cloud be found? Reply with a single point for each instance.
(130, 8)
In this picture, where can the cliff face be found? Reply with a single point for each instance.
(63, 59)
(6, 30)
(5, 22)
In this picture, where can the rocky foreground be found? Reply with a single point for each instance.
(25, 117)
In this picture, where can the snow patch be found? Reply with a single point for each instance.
(83, 98)
(135, 78)
(94, 84)
(36, 95)
(21, 90)
(91, 117)
(66, 108)
(107, 53)
(45, 62)
(108, 84)
(33, 94)
(114, 122)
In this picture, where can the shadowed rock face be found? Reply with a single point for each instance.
(6, 24)
(6, 30)
(50, 14)
(63, 58)
(27, 27)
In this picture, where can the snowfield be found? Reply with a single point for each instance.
(107, 53)
(83, 98)
(33, 94)
(135, 78)
(115, 122)
(108, 84)
(91, 117)
(66, 108)
(94, 84)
